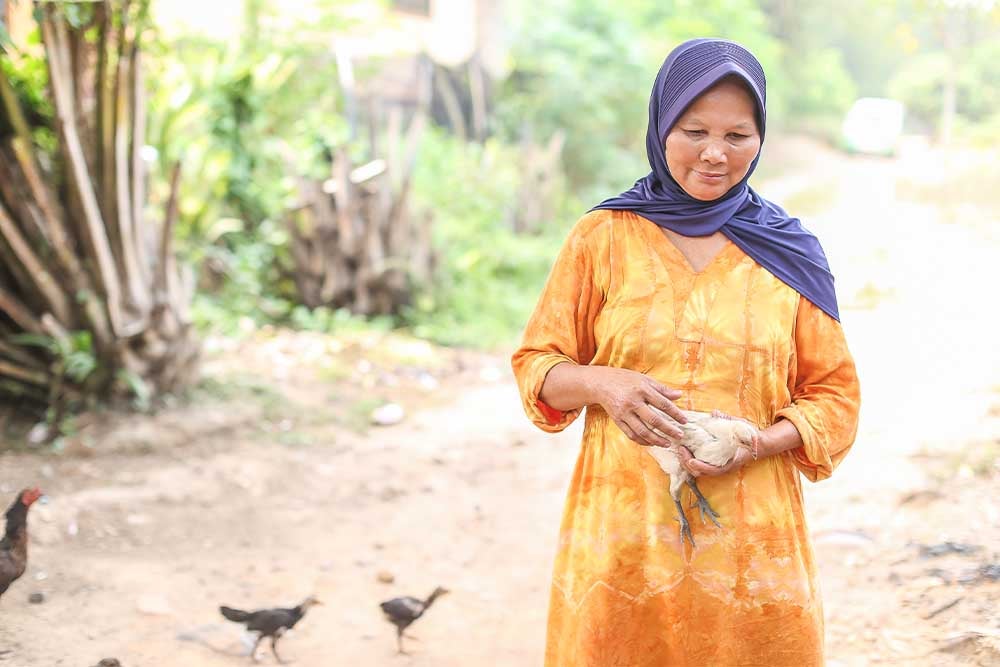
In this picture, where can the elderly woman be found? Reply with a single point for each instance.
(690, 291)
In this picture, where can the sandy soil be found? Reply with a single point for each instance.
(265, 485)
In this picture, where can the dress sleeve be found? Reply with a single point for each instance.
(561, 328)
(826, 395)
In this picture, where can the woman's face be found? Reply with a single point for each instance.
(711, 146)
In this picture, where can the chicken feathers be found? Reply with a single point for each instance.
(710, 438)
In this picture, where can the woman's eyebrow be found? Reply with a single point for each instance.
(695, 120)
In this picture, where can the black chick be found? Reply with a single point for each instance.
(402, 612)
(269, 622)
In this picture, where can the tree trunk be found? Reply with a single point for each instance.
(355, 243)
(88, 274)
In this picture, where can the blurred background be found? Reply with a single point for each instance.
(262, 266)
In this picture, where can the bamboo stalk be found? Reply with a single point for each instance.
(81, 231)
(20, 313)
(128, 264)
(50, 289)
(345, 205)
(21, 390)
(63, 246)
(13, 193)
(14, 112)
(164, 264)
(23, 374)
(19, 355)
(140, 233)
(54, 35)
(104, 165)
(51, 210)
(452, 107)
(477, 88)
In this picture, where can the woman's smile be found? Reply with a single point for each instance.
(711, 177)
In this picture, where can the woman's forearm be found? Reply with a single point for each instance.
(780, 436)
(569, 386)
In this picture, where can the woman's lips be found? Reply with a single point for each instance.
(711, 178)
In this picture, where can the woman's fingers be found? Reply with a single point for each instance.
(646, 435)
(686, 458)
(667, 392)
(657, 400)
(698, 468)
(657, 420)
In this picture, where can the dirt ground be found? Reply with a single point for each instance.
(267, 484)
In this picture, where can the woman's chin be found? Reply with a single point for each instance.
(707, 193)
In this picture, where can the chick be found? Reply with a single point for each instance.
(403, 611)
(711, 438)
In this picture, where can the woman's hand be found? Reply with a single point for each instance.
(627, 397)
(700, 468)
(742, 457)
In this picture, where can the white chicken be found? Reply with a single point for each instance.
(711, 438)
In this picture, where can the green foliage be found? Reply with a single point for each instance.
(823, 85)
(29, 78)
(578, 68)
(587, 67)
(489, 277)
(73, 354)
(5, 43)
(920, 84)
(239, 114)
(244, 118)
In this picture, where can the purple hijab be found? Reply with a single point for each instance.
(760, 228)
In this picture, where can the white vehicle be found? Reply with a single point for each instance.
(873, 125)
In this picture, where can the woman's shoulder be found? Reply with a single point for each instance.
(604, 223)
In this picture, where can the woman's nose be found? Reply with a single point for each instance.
(713, 153)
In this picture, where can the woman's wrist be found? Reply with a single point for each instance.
(779, 437)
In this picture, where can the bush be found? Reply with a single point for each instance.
(489, 277)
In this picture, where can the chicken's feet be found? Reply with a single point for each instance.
(253, 651)
(685, 526)
(274, 650)
(399, 642)
(703, 507)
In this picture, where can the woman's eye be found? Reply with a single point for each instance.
(739, 137)
(695, 133)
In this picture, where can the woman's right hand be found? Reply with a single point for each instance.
(638, 404)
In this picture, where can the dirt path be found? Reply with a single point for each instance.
(260, 488)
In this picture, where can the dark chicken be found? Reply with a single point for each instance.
(271, 623)
(402, 612)
(14, 546)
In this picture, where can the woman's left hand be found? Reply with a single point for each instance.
(700, 468)
(742, 457)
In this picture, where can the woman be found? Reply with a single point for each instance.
(690, 291)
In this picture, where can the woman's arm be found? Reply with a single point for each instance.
(624, 394)
(819, 425)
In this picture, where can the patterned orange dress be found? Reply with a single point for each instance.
(626, 592)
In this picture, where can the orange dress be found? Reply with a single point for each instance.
(626, 592)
